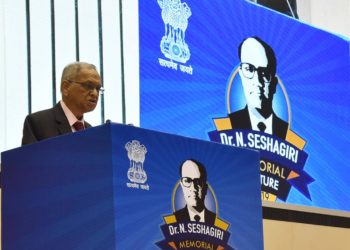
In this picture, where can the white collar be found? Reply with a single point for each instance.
(70, 116)
(256, 117)
(194, 213)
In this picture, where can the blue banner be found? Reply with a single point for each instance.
(212, 69)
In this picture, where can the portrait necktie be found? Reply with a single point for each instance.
(261, 126)
(197, 218)
(78, 125)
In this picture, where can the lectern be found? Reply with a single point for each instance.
(119, 187)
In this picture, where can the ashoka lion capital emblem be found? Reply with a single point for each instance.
(136, 155)
(175, 16)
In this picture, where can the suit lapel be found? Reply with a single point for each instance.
(61, 120)
(186, 214)
(246, 119)
(277, 127)
(87, 125)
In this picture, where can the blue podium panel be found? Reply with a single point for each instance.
(57, 194)
(122, 187)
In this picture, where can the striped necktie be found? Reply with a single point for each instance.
(78, 125)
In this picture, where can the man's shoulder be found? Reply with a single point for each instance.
(181, 211)
(41, 116)
(210, 215)
(239, 113)
(41, 113)
(240, 119)
(209, 212)
(182, 214)
(46, 113)
(279, 121)
(280, 127)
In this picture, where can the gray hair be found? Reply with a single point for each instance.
(72, 69)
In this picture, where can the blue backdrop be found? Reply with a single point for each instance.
(185, 84)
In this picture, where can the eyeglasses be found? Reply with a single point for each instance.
(249, 70)
(89, 86)
(186, 181)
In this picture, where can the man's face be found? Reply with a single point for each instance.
(255, 76)
(80, 92)
(193, 185)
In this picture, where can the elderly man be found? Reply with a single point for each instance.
(257, 72)
(80, 89)
(194, 186)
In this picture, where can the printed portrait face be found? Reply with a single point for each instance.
(255, 74)
(193, 184)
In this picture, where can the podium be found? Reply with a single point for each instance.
(118, 187)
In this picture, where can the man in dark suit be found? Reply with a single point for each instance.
(288, 7)
(194, 186)
(258, 76)
(80, 89)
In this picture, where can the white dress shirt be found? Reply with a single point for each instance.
(70, 116)
(256, 117)
(194, 213)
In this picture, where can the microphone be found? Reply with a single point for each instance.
(129, 124)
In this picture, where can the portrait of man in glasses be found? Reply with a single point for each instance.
(80, 89)
(258, 76)
(194, 187)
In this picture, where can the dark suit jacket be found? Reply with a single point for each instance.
(46, 124)
(241, 120)
(182, 215)
(281, 6)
